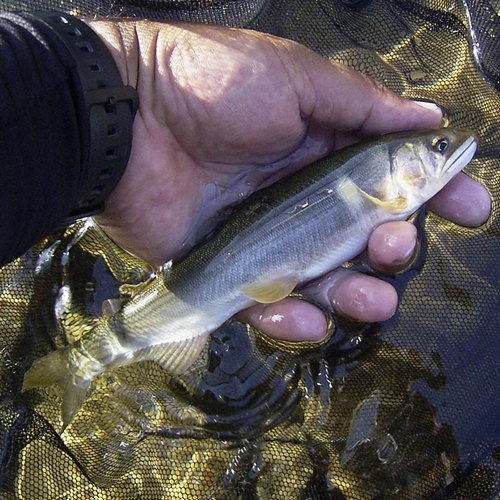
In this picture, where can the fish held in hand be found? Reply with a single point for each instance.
(284, 235)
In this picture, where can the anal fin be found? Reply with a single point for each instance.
(174, 357)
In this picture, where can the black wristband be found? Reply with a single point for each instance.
(110, 108)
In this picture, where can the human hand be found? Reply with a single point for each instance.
(224, 112)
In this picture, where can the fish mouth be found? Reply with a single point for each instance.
(462, 156)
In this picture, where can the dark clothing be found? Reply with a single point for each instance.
(44, 134)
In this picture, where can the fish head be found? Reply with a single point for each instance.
(423, 165)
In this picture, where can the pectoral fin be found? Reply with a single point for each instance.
(174, 357)
(394, 203)
(270, 289)
(353, 194)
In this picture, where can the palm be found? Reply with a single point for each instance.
(205, 141)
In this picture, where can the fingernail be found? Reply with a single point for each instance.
(432, 106)
(428, 105)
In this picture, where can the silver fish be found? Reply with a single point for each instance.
(282, 236)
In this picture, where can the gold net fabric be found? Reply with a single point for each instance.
(407, 409)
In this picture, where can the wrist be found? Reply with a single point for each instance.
(107, 108)
(121, 40)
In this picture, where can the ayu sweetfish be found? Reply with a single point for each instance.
(281, 236)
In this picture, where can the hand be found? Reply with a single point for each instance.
(224, 112)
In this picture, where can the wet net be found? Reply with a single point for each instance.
(407, 409)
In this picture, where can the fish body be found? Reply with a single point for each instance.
(281, 236)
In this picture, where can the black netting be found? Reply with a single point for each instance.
(407, 409)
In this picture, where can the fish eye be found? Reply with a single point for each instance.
(440, 144)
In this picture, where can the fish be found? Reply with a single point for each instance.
(281, 236)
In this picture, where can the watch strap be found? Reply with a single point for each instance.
(110, 108)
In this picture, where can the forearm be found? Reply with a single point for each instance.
(40, 136)
(49, 135)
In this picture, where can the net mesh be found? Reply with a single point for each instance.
(406, 409)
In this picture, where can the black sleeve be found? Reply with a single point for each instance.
(44, 133)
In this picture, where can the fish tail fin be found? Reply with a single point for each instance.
(55, 369)
(73, 397)
(49, 370)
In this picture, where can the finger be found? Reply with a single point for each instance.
(463, 201)
(289, 319)
(355, 295)
(336, 96)
(391, 247)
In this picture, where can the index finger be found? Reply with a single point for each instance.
(339, 97)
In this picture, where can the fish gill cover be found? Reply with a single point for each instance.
(406, 409)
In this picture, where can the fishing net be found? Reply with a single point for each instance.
(406, 409)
